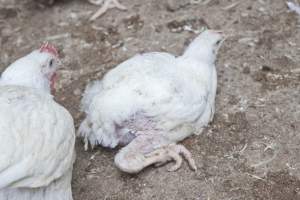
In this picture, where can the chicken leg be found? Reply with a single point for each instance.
(146, 150)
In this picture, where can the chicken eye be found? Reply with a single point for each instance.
(51, 63)
(218, 42)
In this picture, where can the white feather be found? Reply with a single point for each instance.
(37, 140)
(37, 135)
(293, 7)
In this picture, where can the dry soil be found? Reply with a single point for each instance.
(250, 150)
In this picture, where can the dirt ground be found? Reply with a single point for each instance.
(250, 150)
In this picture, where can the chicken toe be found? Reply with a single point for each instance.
(171, 152)
(107, 4)
(146, 150)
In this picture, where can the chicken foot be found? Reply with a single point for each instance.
(146, 150)
(107, 4)
(171, 152)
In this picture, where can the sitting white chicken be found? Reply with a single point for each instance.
(152, 101)
(37, 135)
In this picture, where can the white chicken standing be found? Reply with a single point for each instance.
(152, 101)
(37, 135)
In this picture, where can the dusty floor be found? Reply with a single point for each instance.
(250, 151)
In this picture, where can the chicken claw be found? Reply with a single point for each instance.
(171, 152)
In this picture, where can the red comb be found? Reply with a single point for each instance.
(46, 47)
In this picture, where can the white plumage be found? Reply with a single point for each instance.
(152, 101)
(36, 134)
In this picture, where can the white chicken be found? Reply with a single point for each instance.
(37, 135)
(152, 101)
